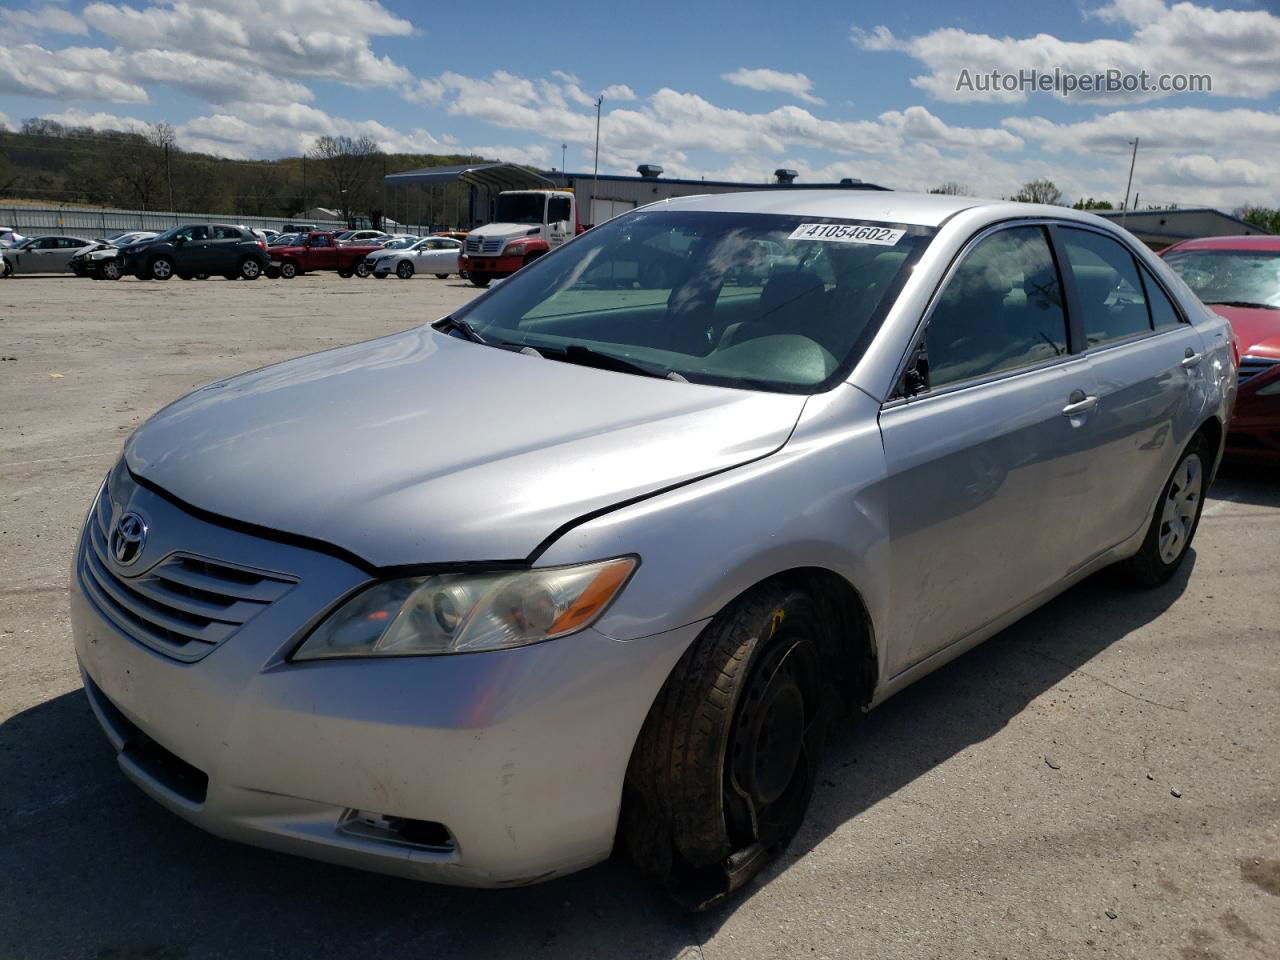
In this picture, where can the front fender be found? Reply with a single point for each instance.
(819, 501)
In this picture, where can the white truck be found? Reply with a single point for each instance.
(527, 224)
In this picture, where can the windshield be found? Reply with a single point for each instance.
(1230, 276)
(520, 207)
(767, 302)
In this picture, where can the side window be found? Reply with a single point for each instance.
(557, 209)
(1163, 313)
(45, 243)
(226, 233)
(1001, 309)
(320, 240)
(1111, 295)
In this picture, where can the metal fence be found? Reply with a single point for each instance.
(51, 218)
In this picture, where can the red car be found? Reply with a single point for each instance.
(1239, 278)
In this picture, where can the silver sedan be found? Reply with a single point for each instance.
(43, 255)
(597, 557)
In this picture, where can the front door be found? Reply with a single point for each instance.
(987, 463)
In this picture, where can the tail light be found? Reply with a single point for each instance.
(262, 244)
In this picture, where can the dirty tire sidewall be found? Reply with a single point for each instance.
(681, 829)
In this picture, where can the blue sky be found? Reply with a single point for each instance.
(711, 89)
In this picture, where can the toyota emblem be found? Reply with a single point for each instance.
(128, 538)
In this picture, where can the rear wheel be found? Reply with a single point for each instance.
(362, 271)
(725, 764)
(288, 270)
(404, 269)
(1176, 519)
(345, 274)
(161, 268)
(250, 269)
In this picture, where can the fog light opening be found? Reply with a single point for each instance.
(402, 831)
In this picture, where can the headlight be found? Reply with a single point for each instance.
(467, 613)
(515, 249)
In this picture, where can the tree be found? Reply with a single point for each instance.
(1092, 204)
(347, 163)
(1039, 191)
(952, 188)
(1264, 218)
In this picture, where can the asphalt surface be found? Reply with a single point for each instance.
(1100, 780)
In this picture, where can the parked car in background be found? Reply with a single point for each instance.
(298, 227)
(197, 250)
(285, 239)
(319, 250)
(1239, 278)
(434, 255)
(102, 260)
(361, 236)
(43, 255)
(575, 568)
(122, 238)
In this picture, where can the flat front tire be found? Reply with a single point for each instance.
(1176, 519)
(724, 768)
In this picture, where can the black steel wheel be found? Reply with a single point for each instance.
(725, 765)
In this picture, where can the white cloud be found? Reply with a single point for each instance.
(325, 39)
(1238, 49)
(617, 92)
(45, 18)
(794, 84)
(72, 73)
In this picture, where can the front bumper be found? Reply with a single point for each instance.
(518, 755)
(473, 265)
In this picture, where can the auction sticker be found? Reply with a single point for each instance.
(846, 233)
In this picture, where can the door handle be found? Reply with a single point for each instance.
(1079, 403)
(1192, 359)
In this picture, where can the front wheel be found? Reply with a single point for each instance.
(1177, 516)
(725, 765)
(345, 274)
(109, 271)
(442, 276)
(479, 279)
(362, 271)
(404, 269)
(250, 269)
(161, 268)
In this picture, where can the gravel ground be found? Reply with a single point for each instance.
(1101, 780)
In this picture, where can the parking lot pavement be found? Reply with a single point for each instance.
(1100, 780)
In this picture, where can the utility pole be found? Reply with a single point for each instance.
(304, 183)
(595, 176)
(563, 149)
(1132, 160)
(168, 173)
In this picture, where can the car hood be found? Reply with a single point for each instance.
(506, 230)
(1258, 329)
(424, 448)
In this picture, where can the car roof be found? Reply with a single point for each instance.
(1249, 242)
(889, 206)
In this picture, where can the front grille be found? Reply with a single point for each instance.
(492, 246)
(473, 244)
(185, 605)
(1252, 366)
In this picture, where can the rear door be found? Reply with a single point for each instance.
(1151, 381)
(986, 460)
(225, 248)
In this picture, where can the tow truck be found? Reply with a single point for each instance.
(527, 224)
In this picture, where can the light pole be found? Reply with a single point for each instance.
(563, 149)
(595, 175)
(1132, 160)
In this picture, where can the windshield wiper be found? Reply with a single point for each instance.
(1241, 303)
(464, 328)
(588, 357)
